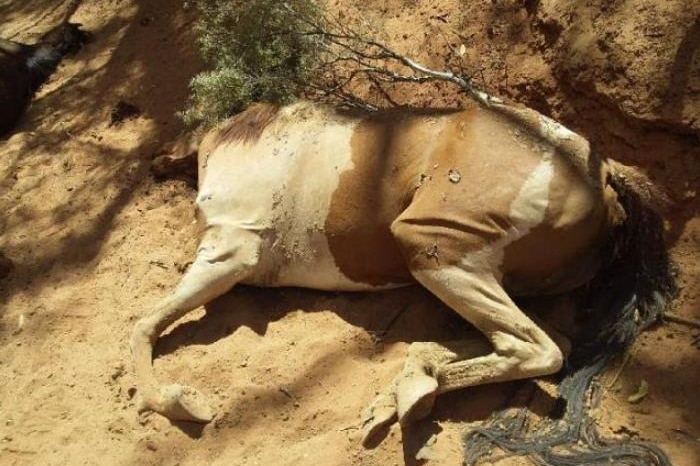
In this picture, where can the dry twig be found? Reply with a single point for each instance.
(671, 317)
(350, 55)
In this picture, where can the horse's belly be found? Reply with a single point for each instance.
(308, 262)
(285, 188)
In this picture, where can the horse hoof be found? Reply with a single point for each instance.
(378, 417)
(415, 397)
(181, 403)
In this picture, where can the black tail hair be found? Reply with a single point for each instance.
(43, 58)
(628, 294)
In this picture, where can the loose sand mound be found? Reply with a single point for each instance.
(96, 242)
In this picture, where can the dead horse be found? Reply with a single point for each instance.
(24, 68)
(476, 205)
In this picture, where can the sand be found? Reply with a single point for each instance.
(96, 242)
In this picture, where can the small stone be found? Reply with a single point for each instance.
(454, 176)
(427, 452)
(123, 111)
(20, 324)
(118, 371)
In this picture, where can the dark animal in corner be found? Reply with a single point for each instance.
(24, 68)
(6, 265)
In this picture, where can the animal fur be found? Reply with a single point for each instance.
(24, 68)
(477, 206)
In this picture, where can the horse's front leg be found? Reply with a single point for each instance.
(411, 394)
(518, 349)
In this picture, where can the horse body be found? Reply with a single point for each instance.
(346, 202)
(476, 205)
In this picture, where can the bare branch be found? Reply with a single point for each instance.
(349, 55)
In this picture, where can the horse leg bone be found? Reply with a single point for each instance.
(223, 259)
(520, 349)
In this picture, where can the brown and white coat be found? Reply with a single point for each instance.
(476, 205)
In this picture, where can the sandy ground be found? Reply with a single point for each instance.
(96, 242)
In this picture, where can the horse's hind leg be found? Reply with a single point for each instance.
(225, 256)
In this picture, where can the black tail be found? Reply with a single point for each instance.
(628, 295)
(43, 58)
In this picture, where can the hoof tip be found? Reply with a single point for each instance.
(181, 403)
(415, 398)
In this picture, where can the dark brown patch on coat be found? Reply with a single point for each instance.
(449, 219)
(248, 125)
(388, 152)
(23, 68)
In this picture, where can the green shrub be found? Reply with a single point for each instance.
(256, 51)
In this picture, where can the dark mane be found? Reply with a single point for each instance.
(248, 125)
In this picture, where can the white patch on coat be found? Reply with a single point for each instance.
(555, 131)
(526, 211)
(530, 206)
(281, 187)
